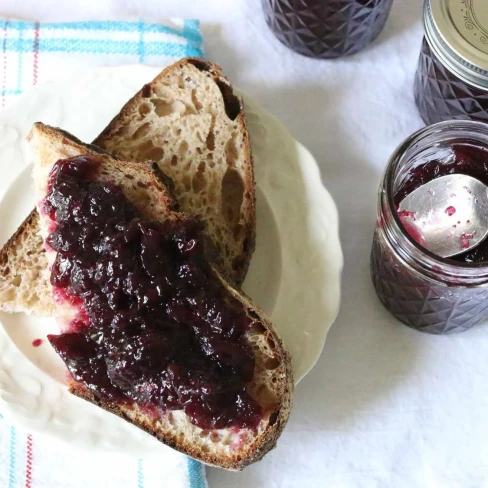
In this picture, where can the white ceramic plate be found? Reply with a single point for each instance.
(294, 274)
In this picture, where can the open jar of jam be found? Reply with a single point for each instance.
(326, 28)
(425, 291)
(452, 75)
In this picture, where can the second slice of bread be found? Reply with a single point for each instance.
(191, 123)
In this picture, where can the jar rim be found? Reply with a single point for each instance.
(457, 54)
(413, 250)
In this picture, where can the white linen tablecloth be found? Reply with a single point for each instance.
(385, 406)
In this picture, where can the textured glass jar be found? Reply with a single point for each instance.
(441, 95)
(326, 28)
(452, 74)
(420, 289)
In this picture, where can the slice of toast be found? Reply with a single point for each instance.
(191, 123)
(213, 126)
(272, 383)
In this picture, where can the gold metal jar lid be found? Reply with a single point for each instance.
(457, 32)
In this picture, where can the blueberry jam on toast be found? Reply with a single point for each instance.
(155, 326)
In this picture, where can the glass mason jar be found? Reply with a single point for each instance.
(452, 74)
(326, 28)
(420, 289)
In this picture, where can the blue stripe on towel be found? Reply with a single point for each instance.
(140, 474)
(11, 478)
(191, 28)
(95, 46)
(196, 474)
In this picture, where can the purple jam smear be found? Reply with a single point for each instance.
(154, 325)
(467, 159)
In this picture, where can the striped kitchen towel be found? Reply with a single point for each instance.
(36, 461)
(32, 52)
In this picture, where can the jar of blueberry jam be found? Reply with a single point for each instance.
(326, 28)
(452, 75)
(422, 290)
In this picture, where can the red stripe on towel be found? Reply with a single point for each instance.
(4, 51)
(28, 468)
(36, 53)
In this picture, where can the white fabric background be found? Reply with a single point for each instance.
(385, 406)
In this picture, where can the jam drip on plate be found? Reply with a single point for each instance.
(466, 159)
(157, 327)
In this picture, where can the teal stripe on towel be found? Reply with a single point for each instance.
(196, 474)
(95, 46)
